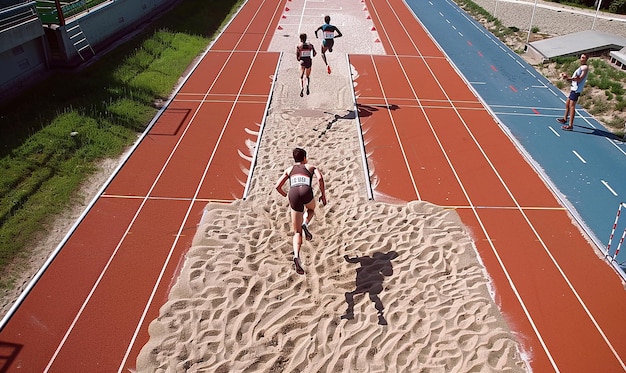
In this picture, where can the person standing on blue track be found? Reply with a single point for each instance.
(329, 33)
(578, 80)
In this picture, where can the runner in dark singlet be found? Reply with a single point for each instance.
(305, 53)
(328, 41)
(301, 196)
(300, 190)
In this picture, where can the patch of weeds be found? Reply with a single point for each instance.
(598, 106)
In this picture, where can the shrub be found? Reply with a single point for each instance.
(618, 6)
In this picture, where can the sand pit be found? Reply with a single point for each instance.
(238, 304)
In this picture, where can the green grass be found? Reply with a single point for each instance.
(52, 135)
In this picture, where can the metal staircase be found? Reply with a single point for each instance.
(79, 40)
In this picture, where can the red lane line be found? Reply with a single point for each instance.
(598, 284)
(423, 154)
(545, 292)
(536, 111)
(467, 161)
(204, 75)
(506, 298)
(493, 68)
(513, 88)
(228, 166)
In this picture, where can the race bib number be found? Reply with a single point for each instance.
(305, 53)
(329, 34)
(300, 180)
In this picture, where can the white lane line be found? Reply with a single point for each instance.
(615, 144)
(473, 207)
(609, 187)
(184, 199)
(200, 184)
(128, 228)
(554, 131)
(579, 156)
(395, 128)
(301, 17)
(537, 235)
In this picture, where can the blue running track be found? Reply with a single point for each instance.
(586, 167)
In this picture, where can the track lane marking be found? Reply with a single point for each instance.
(579, 156)
(609, 188)
(139, 210)
(204, 175)
(554, 131)
(537, 235)
(480, 222)
(565, 277)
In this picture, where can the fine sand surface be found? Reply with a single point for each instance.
(238, 304)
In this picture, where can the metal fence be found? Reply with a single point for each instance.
(17, 15)
(48, 10)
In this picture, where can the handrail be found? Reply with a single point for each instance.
(48, 11)
(16, 15)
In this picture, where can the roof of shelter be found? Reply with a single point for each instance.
(576, 43)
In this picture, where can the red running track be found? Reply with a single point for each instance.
(91, 308)
(436, 142)
(429, 138)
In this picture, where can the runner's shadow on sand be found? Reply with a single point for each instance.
(369, 279)
(367, 110)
